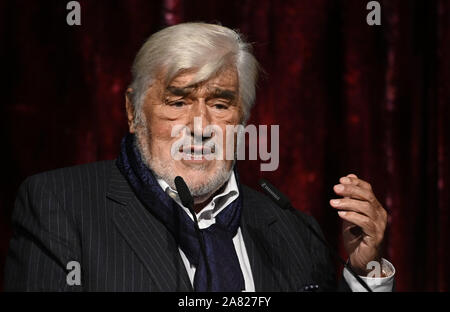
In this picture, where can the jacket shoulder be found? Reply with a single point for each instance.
(265, 205)
(70, 187)
(294, 221)
(78, 175)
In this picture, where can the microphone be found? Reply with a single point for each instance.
(188, 201)
(283, 202)
(185, 195)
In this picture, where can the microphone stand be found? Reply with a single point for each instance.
(283, 202)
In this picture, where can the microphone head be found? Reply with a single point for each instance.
(183, 192)
(279, 198)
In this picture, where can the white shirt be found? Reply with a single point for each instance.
(207, 216)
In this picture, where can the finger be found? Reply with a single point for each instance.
(356, 205)
(360, 220)
(353, 191)
(349, 227)
(352, 179)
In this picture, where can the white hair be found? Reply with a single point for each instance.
(206, 48)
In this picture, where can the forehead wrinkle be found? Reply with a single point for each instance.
(179, 91)
(222, 93)
(211, 92)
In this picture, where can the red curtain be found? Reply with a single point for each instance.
(349, 98)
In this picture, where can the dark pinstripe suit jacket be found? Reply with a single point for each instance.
(90, 214)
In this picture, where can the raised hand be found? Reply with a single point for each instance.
(364, 221)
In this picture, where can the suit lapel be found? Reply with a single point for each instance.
(158, 251)
(263, 247)
(260, 260)
(148, 237)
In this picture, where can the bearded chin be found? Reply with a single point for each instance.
(165, 170)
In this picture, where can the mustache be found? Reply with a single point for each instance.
(188, 145)
(196, 144)
(196, 141)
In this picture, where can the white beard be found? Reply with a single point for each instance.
(164, 170)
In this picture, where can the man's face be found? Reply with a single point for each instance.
(214, 102)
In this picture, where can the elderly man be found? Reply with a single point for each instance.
(121, 225)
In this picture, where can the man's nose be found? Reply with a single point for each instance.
(199, 119)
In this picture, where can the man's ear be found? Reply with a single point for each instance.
(130, 110)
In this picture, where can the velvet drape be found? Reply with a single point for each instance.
(348, 97)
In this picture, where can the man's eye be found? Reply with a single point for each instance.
(220, 106)
(177, 104)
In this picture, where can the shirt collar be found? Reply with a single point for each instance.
(206, 216)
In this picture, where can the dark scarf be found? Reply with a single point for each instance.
(222, 258)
